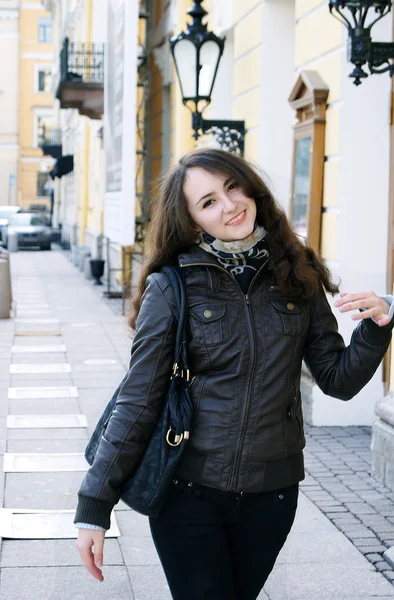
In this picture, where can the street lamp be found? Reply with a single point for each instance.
(197, 53)
(361, 48)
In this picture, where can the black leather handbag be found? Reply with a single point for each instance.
(146, 490)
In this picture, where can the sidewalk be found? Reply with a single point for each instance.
(56, 307)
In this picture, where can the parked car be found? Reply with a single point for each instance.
(31, 228)
(5, 213)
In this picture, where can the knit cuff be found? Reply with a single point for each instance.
(376, 335)
(91, 510)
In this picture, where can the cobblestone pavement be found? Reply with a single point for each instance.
(339, 483)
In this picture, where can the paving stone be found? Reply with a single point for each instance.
(325, 582)
(333, 511)
(149, 583)
(367, 549)
(51, 406)
(358, 532)
(360, 508)
(44, 491)
(381, 566)
(389, 575)
(373, 558)
(64, 583)
(51, 553)
(47, 446)
(46, 434)
(140, 550)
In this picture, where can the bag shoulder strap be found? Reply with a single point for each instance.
(180, 298)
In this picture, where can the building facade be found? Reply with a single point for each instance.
(36, 110)
(9, 101)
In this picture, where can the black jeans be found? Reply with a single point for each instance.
(217, 545)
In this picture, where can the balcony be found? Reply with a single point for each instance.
(81, 84)
(50, 142)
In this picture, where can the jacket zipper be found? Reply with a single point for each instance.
(253, 358)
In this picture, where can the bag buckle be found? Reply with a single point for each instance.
(185, 375)
(177, 440)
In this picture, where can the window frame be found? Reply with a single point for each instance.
(38, 67)
(41, 27)
(40, 112)
(41, 175)
(309, 99)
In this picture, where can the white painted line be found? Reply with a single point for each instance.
(46, 421)
(50, 368)
(26, 524)
(37, 349)
(43, 392)
(33, 306)
(100, 361)
(44, 463)
(42, 321)
(33, 313)
(33, 333)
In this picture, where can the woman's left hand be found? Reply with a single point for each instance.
(374, 306)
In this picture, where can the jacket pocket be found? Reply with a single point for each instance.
(288, 316)
(294, 413)
(208, 323)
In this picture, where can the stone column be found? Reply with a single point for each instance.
(383, 442)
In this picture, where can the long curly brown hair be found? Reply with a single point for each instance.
(298, 270)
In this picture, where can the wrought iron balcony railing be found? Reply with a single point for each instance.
(82, 62)
(50, 136)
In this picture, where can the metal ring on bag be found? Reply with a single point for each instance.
(177, 436)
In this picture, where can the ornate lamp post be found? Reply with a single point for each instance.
(361, 48)
(197, 53)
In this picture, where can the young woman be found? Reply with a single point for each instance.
(257, 307)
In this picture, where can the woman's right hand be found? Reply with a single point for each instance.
(87, 539)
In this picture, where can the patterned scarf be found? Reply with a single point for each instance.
(242, 258)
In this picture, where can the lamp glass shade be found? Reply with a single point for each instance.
(185, 56)
(209, 61)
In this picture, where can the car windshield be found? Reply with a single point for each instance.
(26, 219)
(6, 213)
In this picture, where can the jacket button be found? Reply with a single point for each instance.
(291, 306)
(207, 314)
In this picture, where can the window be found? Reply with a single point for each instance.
(45, 30)
(42, 128)
(309, 100)
(44, 80)
(44, 185)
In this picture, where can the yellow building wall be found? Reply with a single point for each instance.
(248, 38)
(30, 158)
(318, 42)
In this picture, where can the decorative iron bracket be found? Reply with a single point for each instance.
(361, 49)
(229, 134)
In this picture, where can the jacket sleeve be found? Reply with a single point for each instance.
(137, 409)
(338, 370)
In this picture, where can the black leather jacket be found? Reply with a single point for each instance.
(245, 358)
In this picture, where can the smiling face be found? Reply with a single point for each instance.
(218, 205)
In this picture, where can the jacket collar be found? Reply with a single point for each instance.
(196, 255)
